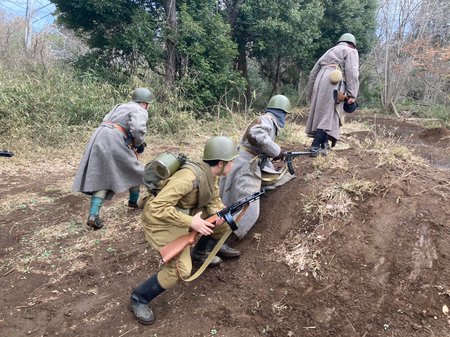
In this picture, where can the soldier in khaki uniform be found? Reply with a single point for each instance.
(175, 211)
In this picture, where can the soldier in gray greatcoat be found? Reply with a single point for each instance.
(249, 172)
(337, 69)
(110, 162)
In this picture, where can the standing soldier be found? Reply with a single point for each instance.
(177, 209)
(252, 168)
(110, 164)
(337, 69)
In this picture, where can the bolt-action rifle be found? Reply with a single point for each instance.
(6, 153)
(175, 248)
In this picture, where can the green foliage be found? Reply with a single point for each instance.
(43, 106)
(348, 16)
(279, 35)
(206, 53)
(124, 33)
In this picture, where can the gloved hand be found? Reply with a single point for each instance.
(140, 148)
(280, 156)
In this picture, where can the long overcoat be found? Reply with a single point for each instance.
(108, 162)
(325, 113)
(246, 176)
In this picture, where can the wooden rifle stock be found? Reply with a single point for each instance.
(173, 249)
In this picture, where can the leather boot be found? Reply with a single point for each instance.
(141, 297)
(201, 251)
(94, 222)
(227, 251)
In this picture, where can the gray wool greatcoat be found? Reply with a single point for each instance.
(245, 177)
(108, 163)
(325, 113)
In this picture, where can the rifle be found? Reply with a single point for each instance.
(6, 153)
(173, 249)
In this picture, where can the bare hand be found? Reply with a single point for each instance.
(201, 226)
(350, 100)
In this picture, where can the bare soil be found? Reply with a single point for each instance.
(380, 267)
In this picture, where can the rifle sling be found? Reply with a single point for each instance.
(213, 253)
(209, 258)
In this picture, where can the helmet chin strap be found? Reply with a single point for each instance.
(223, 167)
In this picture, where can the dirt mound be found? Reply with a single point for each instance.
(356, 245)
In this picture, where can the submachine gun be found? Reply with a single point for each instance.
(287, 158)
(175, 248)
(289, 155)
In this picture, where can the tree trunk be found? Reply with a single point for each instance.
(171, 21)
(276, 78)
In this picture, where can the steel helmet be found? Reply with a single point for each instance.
(220, 148)
(142, 95)
(347, 37)
(280, 102)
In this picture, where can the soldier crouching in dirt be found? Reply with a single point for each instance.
(337, 69)
(176, 210)
(110, 164)
(250, 170)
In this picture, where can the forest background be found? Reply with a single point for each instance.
(211, 63)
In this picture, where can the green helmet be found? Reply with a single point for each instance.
(220, 148)
(142, 95)
(280, 102)
(347, 37)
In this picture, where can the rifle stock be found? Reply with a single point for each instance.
(173, 249)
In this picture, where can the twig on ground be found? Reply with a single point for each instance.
(128, 331)
(9, 272)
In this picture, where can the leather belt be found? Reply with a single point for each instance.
(117, 126)
(246, 149)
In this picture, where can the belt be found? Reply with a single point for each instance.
(331, 65)
(117, 126)
(246, 149)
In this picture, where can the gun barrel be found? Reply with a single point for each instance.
(296, 153)
(241, 203)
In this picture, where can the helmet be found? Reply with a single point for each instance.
(280, 102)
(347, 37)
(142, 95)
(220, 148)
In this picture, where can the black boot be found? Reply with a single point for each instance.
(94, 222)
(141, 297)
(227, 251)
(202, 248)
(317, 146)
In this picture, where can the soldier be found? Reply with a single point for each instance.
(337, 69)
(110, 164)
(175, 210)
(250, 171)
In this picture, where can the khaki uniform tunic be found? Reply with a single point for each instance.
(169, 215)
